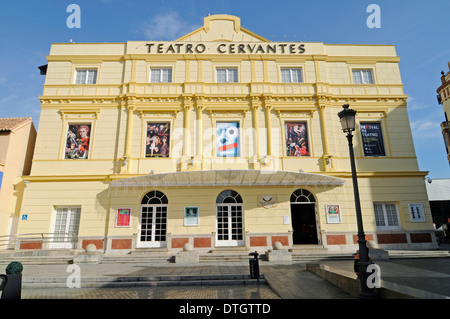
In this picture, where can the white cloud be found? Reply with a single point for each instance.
(427, 128)
(414, 105)
(20, 106)
(421, 126)
(166, 27)
(425, 120)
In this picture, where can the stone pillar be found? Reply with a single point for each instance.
(198, 163)
(126, 159)
(255, 104)
(186, 161)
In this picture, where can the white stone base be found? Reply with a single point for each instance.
(187, 257)
(87, 258)
(279, 255)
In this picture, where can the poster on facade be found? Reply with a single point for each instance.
(77, 142)
(191, 216)
(333, 214)
(372, 139)
(227, 139)
(123, 217)
(296, 135)
(157, 139)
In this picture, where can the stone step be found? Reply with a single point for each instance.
(228, 257)
(145, 281)
(308, 248)
(146, 251)
(36, 252)
(37, 260)
(230, 250)
(318, 257)
(418, 253)
(137, 259)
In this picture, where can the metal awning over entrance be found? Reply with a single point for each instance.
(228, 177)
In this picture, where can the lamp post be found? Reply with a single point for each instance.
(347, 117)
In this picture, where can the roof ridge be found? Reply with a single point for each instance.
(10, 123)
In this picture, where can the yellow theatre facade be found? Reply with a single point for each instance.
(221, 139)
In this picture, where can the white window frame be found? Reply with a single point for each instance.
(71, 213)
(291, 75)
(229, 76)
(85, 79)
(161, 77)
(361, 75)
(154, 223)
(388, 224)
(417, 212)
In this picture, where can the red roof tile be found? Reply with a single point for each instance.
(10, 123)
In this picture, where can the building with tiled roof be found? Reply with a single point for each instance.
(17, 139)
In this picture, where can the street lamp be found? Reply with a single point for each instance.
(347, 117)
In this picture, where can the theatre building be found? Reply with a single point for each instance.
(443, 92)
(221, 138)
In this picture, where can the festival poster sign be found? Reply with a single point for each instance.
(296, 135)
(77, 142)
(227, 139)
(157, 139)
(372, 139)
(123, 217)
(333, 214)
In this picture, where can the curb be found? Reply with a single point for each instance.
(388, 290)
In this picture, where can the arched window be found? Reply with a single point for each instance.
(229, 197)
(230, 221)
(154, 197)
(153, 220)
(302, 196)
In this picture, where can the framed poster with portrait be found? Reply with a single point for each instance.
(296, 135)
(157, 139)
(333, 214)
(191, 216)
(123, 217)
(77, 141)
(227, 139)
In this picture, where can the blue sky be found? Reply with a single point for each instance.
(418, 29)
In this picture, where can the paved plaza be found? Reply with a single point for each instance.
(427, 276)
(280, 282)
(423, 278)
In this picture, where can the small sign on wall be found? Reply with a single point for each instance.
(123, 217)
(333, 214)
(191, 216)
